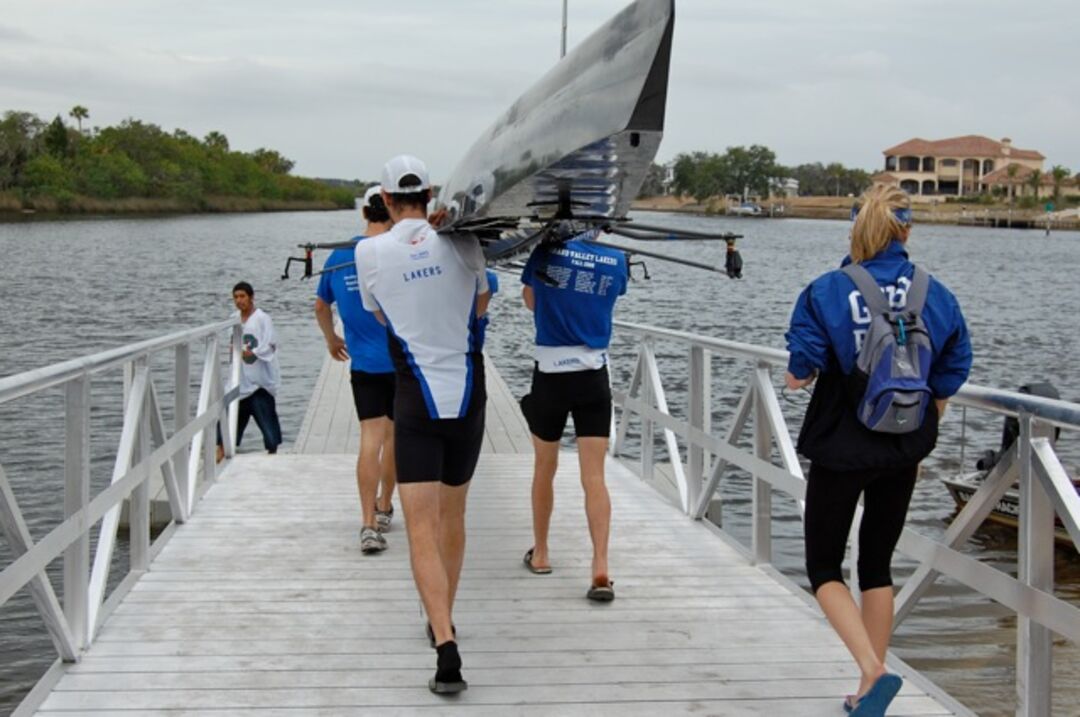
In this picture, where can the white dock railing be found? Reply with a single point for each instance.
(1045, 487)
(145, 447)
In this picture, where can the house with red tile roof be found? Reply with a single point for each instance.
(955, 166)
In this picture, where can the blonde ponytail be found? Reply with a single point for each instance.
(877, 223)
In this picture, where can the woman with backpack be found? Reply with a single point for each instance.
(884, 369)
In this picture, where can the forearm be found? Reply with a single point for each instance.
(324, 315)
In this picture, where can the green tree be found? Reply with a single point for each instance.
(1012, 170)
(46, 174)
(216, 141)
(272, 161)
(79, 113)
(20, 134)
(1059, 173)
(1035, 182)
(835, 172)
(56, 138)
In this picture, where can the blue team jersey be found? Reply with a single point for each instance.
(365, 337)
(830, 320)
(575, 286)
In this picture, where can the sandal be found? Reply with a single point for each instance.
(532, 568)
(602, 590)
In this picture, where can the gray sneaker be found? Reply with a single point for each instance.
(371, 541)
(383, 518)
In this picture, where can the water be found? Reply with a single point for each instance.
(72, 288)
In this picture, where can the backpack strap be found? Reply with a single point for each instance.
(920, 286)
(868, 287)
(876, 301)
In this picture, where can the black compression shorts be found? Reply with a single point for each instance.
(444, 450)
(373, 394)
(586, 395)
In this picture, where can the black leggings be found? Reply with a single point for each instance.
(831, 498)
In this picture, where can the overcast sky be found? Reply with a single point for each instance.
(339, 86)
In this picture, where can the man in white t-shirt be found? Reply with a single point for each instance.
(430, 291)
(260, 375)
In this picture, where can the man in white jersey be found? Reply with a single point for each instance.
(430, 291)
(259, 372)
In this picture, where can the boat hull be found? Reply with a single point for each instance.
(1007, 510)
(585, 133)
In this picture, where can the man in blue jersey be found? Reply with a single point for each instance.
(365, 344)
(430, 290)
(571, 289)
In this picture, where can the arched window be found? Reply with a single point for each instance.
(910, 186)
(928, 164)
(909, 164)
(929, 188)
(890, 163)
(988, 166)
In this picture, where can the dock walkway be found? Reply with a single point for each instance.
(263, 605)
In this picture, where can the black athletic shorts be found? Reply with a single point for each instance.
(444, 450)
(586, 395)
(373, 394)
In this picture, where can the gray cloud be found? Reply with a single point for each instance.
(339, 85)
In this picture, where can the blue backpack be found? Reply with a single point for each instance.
(894, 360)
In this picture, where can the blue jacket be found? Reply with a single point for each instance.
(830, 319)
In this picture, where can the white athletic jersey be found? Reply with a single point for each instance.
(260, 370)
(426, 285)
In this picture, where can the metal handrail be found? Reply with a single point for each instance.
(145, 447)
(1045, 487)
(22, 384)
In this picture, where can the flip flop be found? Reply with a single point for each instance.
(877, 699)
(601, 593)
(532, 568)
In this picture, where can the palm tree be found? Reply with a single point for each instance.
(1060, 174)
(79, 113)
(835, 171)
(1035, 180)
(1012, 170)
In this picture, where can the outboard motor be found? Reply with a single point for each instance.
(1011, 430)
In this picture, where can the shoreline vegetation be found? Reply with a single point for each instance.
(135, 167)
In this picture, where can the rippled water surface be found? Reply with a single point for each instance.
(72, 288)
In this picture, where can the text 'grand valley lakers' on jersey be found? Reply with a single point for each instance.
(426, 286)
(575, 286)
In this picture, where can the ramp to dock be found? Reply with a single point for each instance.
(263, 605)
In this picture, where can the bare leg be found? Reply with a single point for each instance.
(877, 617)
(373, 432)
(420, 502)
(388, 479)
(591, 452)
(452, 536)
(543, 497)
(844, 616)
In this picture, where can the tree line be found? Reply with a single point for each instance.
(753, 170)
(53, 164)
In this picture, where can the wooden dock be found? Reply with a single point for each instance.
(262, 604)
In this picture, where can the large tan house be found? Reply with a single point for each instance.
(956, 166)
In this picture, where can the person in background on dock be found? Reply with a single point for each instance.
(571, 289)
(430, 291)
(849, 459)
(372, 375)
(260, 375)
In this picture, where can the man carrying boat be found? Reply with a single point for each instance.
(430, 291)
(372, 375)
(571, 289)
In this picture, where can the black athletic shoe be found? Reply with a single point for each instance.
(448, 679)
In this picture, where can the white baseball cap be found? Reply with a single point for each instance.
(371, 192)
(399, 169)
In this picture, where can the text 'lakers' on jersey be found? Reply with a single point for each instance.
(426, 286)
